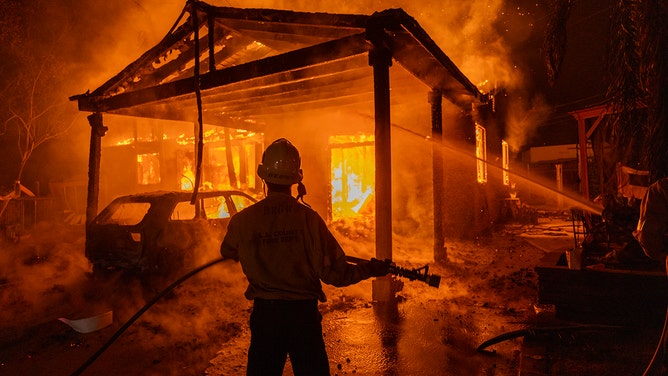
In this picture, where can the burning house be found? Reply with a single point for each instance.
(388, 126)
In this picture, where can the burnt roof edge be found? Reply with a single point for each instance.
(397, 16)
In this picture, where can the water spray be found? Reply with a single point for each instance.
(579, 201)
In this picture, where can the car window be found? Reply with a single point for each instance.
(183, 211)
(127, 214)
(215, 207)
(241, 202)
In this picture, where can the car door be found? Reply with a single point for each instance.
(116, 237)
(181, 230)
(217, 211)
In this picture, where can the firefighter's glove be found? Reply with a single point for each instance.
(378, 268)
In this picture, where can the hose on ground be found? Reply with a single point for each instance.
(659, 353)
(532, 332)
(136, 316)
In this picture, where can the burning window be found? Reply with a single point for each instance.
(226, 165)
(148, 168)
(481, 152)
(505, 154)
(353, 174)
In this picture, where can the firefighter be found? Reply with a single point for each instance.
(652, 229)
(286, 250)
(652, 234)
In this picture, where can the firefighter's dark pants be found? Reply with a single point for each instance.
(280, 328)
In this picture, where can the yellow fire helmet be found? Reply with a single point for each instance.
(281, 163)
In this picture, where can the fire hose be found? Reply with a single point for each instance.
(534, 332)
(659, 362)
(136, 316)
(419, 274)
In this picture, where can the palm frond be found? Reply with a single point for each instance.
(654, 74)
(624, 66)
(556, 40)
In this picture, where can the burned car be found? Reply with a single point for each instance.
(161, 233)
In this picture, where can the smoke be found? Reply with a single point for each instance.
(68, 47)
(524, 118)
(95, 40)
(489, 41)
(463, 29)
(45, 276)
(40, 276)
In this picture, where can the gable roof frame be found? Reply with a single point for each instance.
(149, 88)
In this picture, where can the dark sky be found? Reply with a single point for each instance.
(494, 41)
(582, 81)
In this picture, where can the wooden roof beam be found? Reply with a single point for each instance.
(318, 54)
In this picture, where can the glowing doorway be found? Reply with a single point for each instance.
(353, 174)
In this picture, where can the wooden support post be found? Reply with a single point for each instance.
(97, 131)
(380, 58)
(559, 171)
(436, 101)
(582, 155)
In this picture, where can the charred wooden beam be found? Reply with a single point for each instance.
(436, 101)
(304, 105)
(341, 91)
(275, 18)
(346, 71)
(328, 86)
(97, 131)
(404, 53)
(305, 57)
(285, 42)
(253, 101)
(381, 60)
(147, 58)
(435, 70)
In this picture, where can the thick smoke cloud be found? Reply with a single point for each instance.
(67, 47)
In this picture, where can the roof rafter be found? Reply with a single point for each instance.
(313, 55)
(279, 60)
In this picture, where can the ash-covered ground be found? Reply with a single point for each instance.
(488, 288)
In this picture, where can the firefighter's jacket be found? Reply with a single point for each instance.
(286, 250)
(652, 228)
